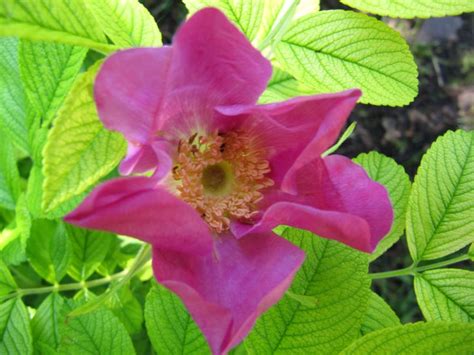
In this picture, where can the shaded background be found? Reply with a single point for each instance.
(444, 51)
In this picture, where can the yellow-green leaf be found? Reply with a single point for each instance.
(79, 150)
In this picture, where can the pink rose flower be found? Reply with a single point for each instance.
(226, 171)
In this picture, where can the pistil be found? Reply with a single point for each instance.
(221, 176)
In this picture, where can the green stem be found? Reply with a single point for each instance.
(71, 286)
(141, 260)
(123, 276)
(413, 269)
(279, 26)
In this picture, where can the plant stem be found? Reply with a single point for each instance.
(71, 286)
(141, 260)
(413, 269)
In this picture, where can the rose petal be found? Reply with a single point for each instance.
(134, 207)
(335, 199)
(226, 292)
(211, 54)
(294, 131)
(140, 158)
(129, 89)
(343, 227)
(347, 187)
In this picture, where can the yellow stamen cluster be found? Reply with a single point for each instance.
(221, 176)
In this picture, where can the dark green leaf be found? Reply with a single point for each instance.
(99, 332)
(89, 249)
(170, 327)
(48, 72)
(15, 332)
(336, 277)
(379, 315)
(49, 249)
(46, 323)
(12, 97)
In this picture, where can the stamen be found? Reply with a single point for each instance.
(221, 176)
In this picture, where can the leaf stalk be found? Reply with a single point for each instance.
(413, 269)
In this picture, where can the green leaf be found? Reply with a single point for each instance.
(334, 275)
(127, 308)
(112, 258)
(439, 217)
(99, 332)
(127, 23)
(308, 301)
(412, 8)
(46, 323)
(13, 248)
(35, 195)
(345, 135)
(306, 7)
(23, 220)
(471, 251)
(68, 22)
(7, 283)
(246, 15)
(139, 262)
(446, 294)
(278, 14)
(15, 332)
(49, 250)
(336, 50)
(12, 97)
(379, 315)
(393, 176)
(272, 18)
(89, 249)
(79, 150)
(282, 86)
(170, 327)
(34, 191)
(48, 71)
(419, 338)
(9, 177)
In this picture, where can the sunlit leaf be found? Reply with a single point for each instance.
(67, 22)
(446, 294)
(170, 327)
(379, 315)
(336, 277)
(331, 51)
(419, 338)
(413, 8)
(439, 217)
(79, 150)
(128, 23)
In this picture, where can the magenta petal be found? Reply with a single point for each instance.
(134, 207)
(226, 292)
(129, 90)
(164, 162)
(140, 158)
(346, 228)
(294, 131)
(335, 199)
(348, 188)
(212, 55)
